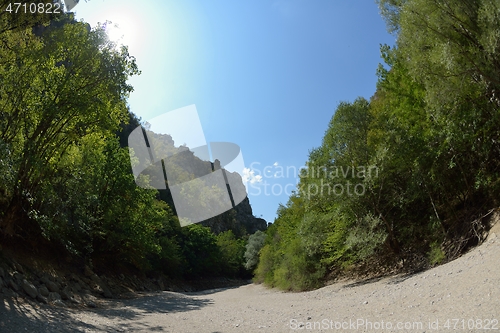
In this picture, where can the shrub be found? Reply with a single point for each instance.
(253, 247)
(436, 255)
(232, 253)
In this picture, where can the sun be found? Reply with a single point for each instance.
(124, 28)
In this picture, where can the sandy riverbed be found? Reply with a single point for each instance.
(460, 296)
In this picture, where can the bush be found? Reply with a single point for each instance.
(232, 254)
(200, 251)
(264, 271)
(253, 247)
(6, 174)
(436, 255)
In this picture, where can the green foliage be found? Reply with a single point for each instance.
(7, 176)
(430, 136)
(232, 253)
(391, 11)
(56, 90)
(253, 247)
(200, 250)
(436, 254)
(264, 273)
(93, 205)
(290, 259)
(65, 169)
(294, 270)
(395, 175)
(367, 235)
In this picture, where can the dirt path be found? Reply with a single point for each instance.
(465, 294)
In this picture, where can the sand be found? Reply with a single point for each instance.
(460, 296)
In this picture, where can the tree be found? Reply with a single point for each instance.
(232, 253)
(253, 247)
(57, 89)
(200, 250)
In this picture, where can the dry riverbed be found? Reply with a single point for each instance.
(460, 296)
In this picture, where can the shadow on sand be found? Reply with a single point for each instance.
(115, 316)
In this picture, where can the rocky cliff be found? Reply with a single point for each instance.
(183, 166)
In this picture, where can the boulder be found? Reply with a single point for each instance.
(66, 293)
(91, 304)
(59, 303)
(49, 283)
(18, 277)
(77, 287)
(101, 287)
(9, 292)
(52, 286)
(29, 289)
(87, 271)
(41, 299)
(43, 291)
(54, 297)
(18, 267)
(107, 293)
(96, 279)
(12, 285)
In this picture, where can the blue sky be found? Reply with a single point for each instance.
(264, 74)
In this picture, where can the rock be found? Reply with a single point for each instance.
(59, 303)
(9, 293)
(90, 301)
(77, 287)
(87, 271)
(18, 277)
(52, 286)
(41, 299)
(12, 285)
(75, 300)
(101, 286)
(2, 272)
(66, 293)
(91, 304)
(43, 291)
(160, 283)
(18, 268)
(48, 281)
(107, 293)
(54, 297)
(96, 279)
(97, 288)
(244, 221)
(29, 289)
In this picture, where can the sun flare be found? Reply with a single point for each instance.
(124, 28)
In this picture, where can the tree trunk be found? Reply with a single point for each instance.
(12, 215)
